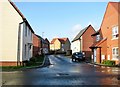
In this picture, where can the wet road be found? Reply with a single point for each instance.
(64, 72)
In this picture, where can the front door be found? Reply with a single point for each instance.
(95, 52)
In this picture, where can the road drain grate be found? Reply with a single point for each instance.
(62, 74)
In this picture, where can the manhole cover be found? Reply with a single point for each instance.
(62, 74)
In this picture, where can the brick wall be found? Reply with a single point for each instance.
(87, 41)
(36, 45)
(8, 63)
(110, 20)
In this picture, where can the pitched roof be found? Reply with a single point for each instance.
(62, 40)
(39, 37)
(96, 33)
(47, 41)
(80, 33)
(16, 9)
(116, 6)
(24, 19)
(98, 43)
(53, 40)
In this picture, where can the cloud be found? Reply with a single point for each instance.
(95, 26)
(77, 27)
(75, 30)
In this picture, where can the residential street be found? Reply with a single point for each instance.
(63, 71)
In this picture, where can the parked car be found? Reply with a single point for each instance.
(79, 56)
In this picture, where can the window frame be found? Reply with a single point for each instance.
(98, 37)
(114, 33)
(116, 49)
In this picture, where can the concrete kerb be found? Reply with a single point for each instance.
(45, 63)
(101, 64)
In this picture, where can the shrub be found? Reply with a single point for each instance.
(108, 62)
(33, 59)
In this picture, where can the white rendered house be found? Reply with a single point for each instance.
(16, 33)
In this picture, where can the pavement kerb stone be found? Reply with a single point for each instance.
(44, 64)
(102, 65)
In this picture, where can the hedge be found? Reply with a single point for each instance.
(108, 62)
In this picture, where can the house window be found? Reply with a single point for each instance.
(25, 50)
(25, 29)
(115, 32)
(31, 35)
(28, 31)
(62, 45)
(115, 51)
(97, 37)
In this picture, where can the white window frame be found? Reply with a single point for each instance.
(114, 33)
(98, 37)
(115, 48)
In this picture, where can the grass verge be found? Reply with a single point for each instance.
(34, 62)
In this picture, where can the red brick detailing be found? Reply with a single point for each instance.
(9, 63)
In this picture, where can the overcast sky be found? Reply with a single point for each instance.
(62, 19)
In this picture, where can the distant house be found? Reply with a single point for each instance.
(46, 46)
(36, 45)
(60, 44)
(107, 43)
(17, 36)
(83, 41)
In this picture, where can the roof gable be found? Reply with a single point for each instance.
(115, 6)
(15, 7)
(81, 33)
(24, 19)
(62, 40)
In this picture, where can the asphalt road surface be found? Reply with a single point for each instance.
(64, 72)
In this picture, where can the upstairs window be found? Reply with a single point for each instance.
(26, 30)
(98, 38)
(115, 32)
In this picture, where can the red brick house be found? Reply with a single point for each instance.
(40, 45)
(36, 45)
(107, 42)
(83, 41)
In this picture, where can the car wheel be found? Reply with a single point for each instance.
(72, 59)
